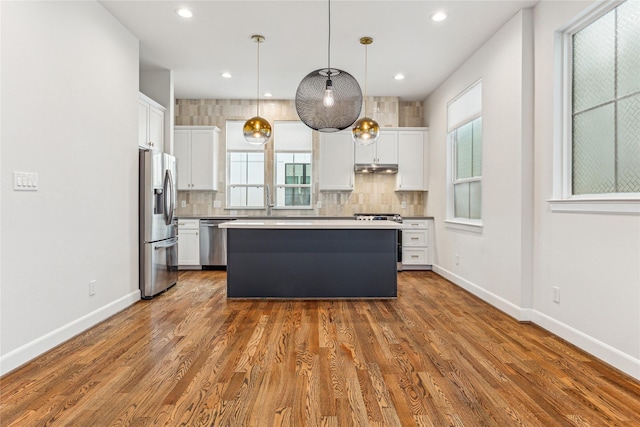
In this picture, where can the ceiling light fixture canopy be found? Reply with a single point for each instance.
(257, 130)
(365, 131)
(328, 99)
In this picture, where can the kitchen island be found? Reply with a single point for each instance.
(311, 258)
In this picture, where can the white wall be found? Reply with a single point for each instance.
(525, 249)
(495, 264)
(69, 96)
(593, 258)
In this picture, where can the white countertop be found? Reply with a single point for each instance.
(327, 224)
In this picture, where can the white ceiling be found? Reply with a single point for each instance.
(218, 39)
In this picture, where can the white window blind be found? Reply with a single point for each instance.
(465, 107)
(292, 136)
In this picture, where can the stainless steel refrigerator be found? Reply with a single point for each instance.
(158, 227)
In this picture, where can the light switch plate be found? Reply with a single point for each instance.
(217, 204)
(25, 181)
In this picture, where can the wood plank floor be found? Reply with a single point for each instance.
(436, 356)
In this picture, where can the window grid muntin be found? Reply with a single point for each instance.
(284, 191)
(617, 98)
(248, 190)
(467, 181)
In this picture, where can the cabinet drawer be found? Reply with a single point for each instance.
(416, 223)
(415, 255)
(188, 224)
(414, 237)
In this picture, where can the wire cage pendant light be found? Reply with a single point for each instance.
(257, 130)
(328, 99)
(365, 131)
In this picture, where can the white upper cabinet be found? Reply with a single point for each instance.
(150, 123)
(383, 151)
(195, 148)
(336, 161)
(413, 150)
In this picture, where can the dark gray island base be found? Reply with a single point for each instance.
(311, 263)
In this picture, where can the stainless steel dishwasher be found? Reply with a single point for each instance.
(213, 243)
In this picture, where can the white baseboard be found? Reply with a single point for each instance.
(500, 303)
(614, 357)
(29, 351)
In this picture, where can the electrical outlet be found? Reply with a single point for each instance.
(183, 204)
(457, 259)
(319, 204)
(404, 205)
(92, 288)
(217, 204)
(556, 294)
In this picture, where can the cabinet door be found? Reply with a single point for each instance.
(189, 247)
(182, 151)
(202, 159)
(156, 128)
(336, 162)
(411, 176)
(387, 147)
(364, 154)
(143, 124)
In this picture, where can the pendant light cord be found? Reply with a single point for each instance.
(329, 44)
(258, 82)
(366, 67)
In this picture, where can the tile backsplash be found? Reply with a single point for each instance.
(372, 193)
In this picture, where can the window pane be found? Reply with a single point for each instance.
(255, 196)
(475, 200)
(594, 151)
(255, 168)
(629, 145)
(628, 48)
(237, 168)
(238, 196)
(297, 196)
(461, 200)
(593, 63)
(476, 168)
(464, 142)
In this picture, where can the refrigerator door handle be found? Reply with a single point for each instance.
(157, 247)
(169, 196)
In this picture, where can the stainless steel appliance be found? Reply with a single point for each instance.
(385, 217)
(158, 228)
(213, 243)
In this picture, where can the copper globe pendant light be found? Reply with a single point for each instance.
(328, 99)
(257, 130)
(365, 131)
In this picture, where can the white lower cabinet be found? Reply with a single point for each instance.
(188, 244)
(417, 245)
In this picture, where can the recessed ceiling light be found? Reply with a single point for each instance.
(226, 75)
(268, 94)
(184, 12)
(399, 76)
(438, 16)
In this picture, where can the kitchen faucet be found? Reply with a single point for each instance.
(269, 202)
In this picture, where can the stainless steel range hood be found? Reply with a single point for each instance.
(375, 168)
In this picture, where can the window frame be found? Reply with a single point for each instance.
(451, 221)
(563, 199)
(239, 148)
(283, 145)
(285, 186)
